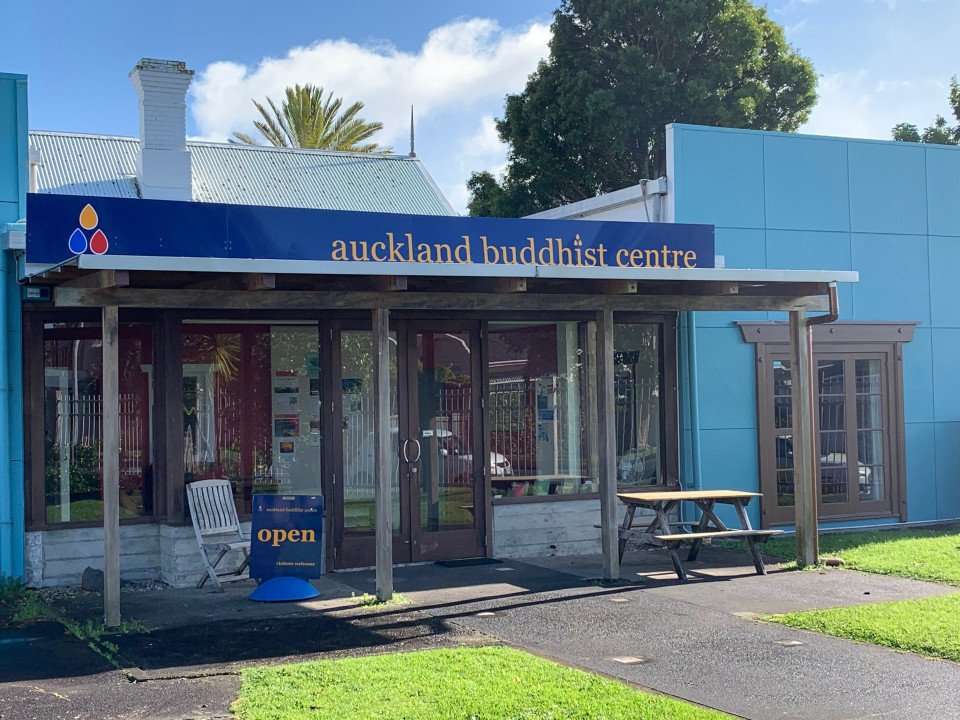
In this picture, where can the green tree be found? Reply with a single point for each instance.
(305, 119)
(591, 117)
(939, 132)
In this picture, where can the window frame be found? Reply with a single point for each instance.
(839, 341)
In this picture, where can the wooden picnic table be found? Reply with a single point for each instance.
(669, 535)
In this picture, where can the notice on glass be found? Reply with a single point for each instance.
(286, 427)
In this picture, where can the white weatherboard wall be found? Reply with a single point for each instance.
(566, 527)
(147, 552)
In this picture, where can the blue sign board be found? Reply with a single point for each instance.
(60, 227)
(285, 540)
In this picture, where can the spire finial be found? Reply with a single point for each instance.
(413, 151)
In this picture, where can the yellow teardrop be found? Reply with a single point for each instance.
(88, 218)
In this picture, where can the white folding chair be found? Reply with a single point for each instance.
(217, 528)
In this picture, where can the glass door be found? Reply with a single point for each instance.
(441, 454)
(435, 441)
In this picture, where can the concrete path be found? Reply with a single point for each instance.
(697, 640)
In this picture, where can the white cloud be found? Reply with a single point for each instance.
(861, 104)
(457, 78)
(460, 67)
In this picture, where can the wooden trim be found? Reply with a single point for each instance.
(100, 280)
(836, 332)
(670, 402)
(168, 416)
(483, 424)
(34, 471)
(358, 300)
(898, 426)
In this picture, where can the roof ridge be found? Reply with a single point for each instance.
(302, 151)
(98, 136)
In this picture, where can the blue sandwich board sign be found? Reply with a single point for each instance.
(285, 540)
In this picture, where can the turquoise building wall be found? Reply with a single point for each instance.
(890, 211)
(13, 189)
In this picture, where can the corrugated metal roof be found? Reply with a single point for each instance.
(105, 166)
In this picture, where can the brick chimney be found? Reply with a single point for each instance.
(163, 167)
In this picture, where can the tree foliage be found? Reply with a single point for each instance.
(939, 132)
(305, 119)
(591, 117)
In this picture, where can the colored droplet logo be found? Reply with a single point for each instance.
(88, 218)
(78, 242)
(99, 243)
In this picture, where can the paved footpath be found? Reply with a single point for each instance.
(698, 641)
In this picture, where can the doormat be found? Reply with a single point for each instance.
(468, 562)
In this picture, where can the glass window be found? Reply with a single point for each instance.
(846, 384)
(357, 412)
(536, 409)
(251, 407)
(73, 423)
(638, 392)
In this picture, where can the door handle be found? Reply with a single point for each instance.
(417, 458)
(403, 450)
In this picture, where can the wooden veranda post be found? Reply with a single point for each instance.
(606, 445)
(111, 467)
(382, 465)
(804, 437)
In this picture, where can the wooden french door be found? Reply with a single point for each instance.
(436, 438)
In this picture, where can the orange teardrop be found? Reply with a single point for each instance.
(88, 218)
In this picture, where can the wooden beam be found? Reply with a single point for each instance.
(110, 396)
(382, 461)
(100, 280)
(360, 300)
(391, 283)
(618, 287)
(505, 284)
(168, 416)
(261, 281)
(802, 388)
(607, 445)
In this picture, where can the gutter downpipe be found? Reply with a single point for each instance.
(831, 316)
(694, 400)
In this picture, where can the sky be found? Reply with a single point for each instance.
(880, 62)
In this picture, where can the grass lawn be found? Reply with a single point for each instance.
(918, 554)
(929, 626)
(490, 683)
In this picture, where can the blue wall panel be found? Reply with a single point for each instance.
(921, 468)
(894, 277)
(722, 176)
(943, 205)
(944, 285)
(948, 476)
(918, 377)
(792, 249)
(727, 399)
(730, 463)
(946, 379)
(741, 248)
(887, 188)
(806, 183)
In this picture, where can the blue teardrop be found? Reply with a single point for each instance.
(77, 242)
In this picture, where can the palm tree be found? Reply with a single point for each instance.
(306, 120)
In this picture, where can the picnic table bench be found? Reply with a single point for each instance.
(661, 532)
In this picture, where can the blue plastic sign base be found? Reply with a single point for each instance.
(284, 589)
